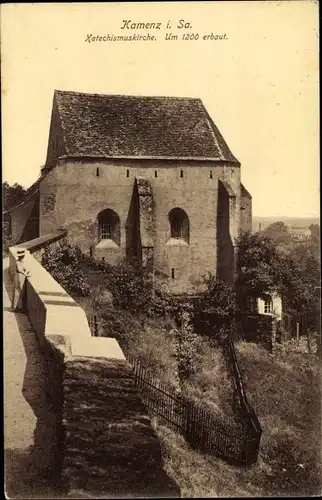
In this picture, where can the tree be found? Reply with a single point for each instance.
(131, 287)
(259, 266)
(186, 347)
(304, 277)
(315, 232)
(214, 310)
(12, 195)
(264, 269)
(278, 232)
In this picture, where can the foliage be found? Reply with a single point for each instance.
(64, 262)
(278, 232)
(131, 286)
(259, 266)
(167, 305)
(132, 289)
(215, 308)
(287, 398)
(211, 383)
(285, 391)
(265, 268)
(300, 275)
(6, 243)
(12, 195)
(185, 350)
(315, 233)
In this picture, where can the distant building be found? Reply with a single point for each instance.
(298, 233)
(271, 305)
(149, 178)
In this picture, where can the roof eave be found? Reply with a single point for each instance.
(148, 157)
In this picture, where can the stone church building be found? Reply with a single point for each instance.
(149, 178)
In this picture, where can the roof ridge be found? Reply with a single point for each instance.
(74, 92)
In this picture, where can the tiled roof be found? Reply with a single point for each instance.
(111, 126)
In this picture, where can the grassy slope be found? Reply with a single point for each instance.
(286, 395)
(152, 341)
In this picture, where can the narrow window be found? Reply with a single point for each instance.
(97, 172)
(106, 231)
(268, 306)
(181, 173)
(91, 251)
(179, 224)
(172, 273)
(155, 173)
(210, 174)
(127, 173)
(109, 226)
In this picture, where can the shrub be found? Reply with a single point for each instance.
(131, 287)
(216, 307)
(169, 306)
(186, 347)
(65, 263)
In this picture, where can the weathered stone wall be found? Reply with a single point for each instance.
(146, 222)
(226, 233)
(246, 210)
(105, 443)
(72, 195)
(258, 328)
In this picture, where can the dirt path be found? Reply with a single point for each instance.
(29, 423)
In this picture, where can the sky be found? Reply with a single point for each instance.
(259, 84)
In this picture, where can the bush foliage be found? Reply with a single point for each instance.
(65, 262)
(217, 305)
(131, 287)
(185, 349)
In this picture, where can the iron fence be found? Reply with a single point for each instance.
(195, 423)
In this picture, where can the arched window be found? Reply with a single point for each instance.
(179, 224)
(109, 226)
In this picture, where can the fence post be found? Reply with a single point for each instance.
(188, 422)
(96, 326)
(297, 332)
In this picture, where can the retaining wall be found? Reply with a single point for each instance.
(106, 444)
